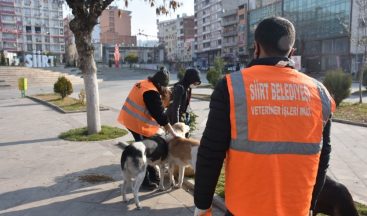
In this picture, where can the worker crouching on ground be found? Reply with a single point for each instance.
(272, 123)
(143, 114)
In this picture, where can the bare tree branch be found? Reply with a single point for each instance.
(78, 7)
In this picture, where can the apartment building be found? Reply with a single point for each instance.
(230, 36)
(115, 27)
(177, 36)
(167, 35)
(208, 32)
(242, 55)
(32, 25)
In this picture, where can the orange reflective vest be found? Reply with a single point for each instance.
(277, 116)
(134, 114)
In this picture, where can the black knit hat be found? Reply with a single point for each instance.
(161, 77)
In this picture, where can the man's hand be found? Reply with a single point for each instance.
(202, 212)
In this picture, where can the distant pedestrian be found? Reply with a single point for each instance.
(181, 95)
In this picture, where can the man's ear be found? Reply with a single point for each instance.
(293, 50)
(257, 50)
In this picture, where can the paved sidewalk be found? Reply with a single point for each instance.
(39, 173)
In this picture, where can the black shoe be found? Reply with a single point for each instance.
(153, 175)
(147, 184)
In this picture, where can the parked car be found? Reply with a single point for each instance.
(229, 68)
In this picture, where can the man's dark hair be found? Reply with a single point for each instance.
(276, 35)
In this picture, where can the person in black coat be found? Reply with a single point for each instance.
(181, 95)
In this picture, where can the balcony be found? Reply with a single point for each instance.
(229, 44)
(6, 3)
(229, 22)
(9, 39)
(5, 12)
(229, 33)
(8, 21)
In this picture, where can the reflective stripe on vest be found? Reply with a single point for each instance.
(241, 141)
(141, 118)
(327, 104)
(136, 106)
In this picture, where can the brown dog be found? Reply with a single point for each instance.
(182, 152)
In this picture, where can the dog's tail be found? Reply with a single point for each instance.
(122, 144)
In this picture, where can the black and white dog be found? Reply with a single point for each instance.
(136, 157)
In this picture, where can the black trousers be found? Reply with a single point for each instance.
(137, 137)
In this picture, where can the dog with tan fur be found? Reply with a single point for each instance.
(183, 153)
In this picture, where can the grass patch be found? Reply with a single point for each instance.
(352, 112)
(81, 134)
(219, 190)
(96, 178)
(68, 104)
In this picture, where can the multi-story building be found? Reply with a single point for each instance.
(115, 27)
(327, 31)
(32, 25)
(256, 15)
(177, 36)
(208, 34)
(358, 37)
(242, 44)
(167, 35)
(230, 36)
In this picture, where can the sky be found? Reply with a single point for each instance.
(143, 16)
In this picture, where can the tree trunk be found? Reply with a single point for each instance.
(83, 41)
(92, 96)
(361, 74)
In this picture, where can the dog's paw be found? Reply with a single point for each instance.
(177, 186)
(161, 188)
(138, 206)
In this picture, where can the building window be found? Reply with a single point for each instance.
(37, 29)
(28, 29)
(39, 47)
(29, 47)
(29, 38)
(27, 2)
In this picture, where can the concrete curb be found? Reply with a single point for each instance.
(58, 108)
(217, 200)
(349, 122)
